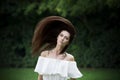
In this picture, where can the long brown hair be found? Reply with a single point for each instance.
(46, 32)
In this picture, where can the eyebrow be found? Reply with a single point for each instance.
(65, 36)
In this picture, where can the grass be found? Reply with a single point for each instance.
(100, 74)
(88, 74)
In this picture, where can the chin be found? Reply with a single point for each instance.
(59, 44)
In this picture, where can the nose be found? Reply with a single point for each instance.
(62, 38)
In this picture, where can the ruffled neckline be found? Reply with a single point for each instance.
(54, 59)
(52, 66)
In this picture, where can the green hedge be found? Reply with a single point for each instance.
(95, 45)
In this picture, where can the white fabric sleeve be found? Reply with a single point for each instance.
(73, 71)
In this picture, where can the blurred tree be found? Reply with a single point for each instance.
(96, 21)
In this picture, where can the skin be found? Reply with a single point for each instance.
(62, 40)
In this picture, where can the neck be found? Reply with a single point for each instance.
(57, 50)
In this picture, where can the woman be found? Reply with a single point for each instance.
(51, 39)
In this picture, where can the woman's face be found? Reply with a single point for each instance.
(63, 38)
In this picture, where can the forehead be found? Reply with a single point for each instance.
(66, 33)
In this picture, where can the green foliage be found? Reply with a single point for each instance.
(96, 21)
(30, 8)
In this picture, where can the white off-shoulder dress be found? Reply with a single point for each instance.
(54, 69)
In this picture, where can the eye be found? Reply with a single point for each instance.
(66, 38)
(61, 35)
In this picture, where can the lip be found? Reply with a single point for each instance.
(60, 41)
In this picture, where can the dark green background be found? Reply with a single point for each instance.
(97, 43)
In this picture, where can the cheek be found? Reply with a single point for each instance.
(58, 37)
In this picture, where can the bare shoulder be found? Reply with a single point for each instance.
(70, 57)
(44, 53)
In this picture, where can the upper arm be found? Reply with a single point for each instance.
(70, 57)
(72, 79)
(44, 53)
(40, 77)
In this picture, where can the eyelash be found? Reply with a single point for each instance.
(61, 35)
(65, 37)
